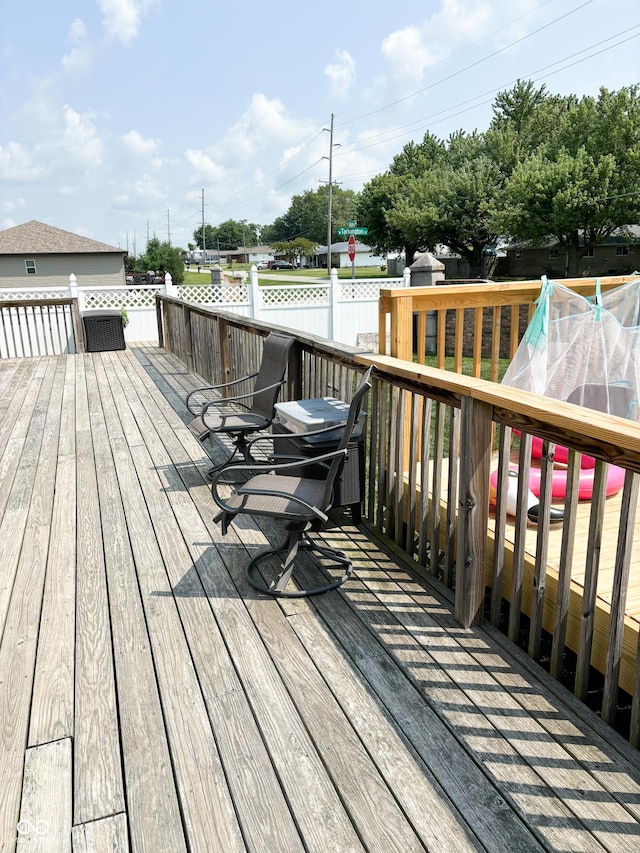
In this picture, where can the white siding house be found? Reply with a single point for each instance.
(39, 255)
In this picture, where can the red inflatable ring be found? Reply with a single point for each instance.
(615, 482)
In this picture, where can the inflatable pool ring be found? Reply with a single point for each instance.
(556, 516)
(615, 481)
(561, 454)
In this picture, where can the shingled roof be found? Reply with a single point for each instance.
(36, 238)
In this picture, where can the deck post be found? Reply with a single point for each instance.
(473, 510)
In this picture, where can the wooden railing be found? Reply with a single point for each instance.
(431, 496)
(33, 327)
(482, 321)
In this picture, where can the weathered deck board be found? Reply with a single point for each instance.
(47, 795)
(196, 714)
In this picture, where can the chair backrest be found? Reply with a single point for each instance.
(352, 418)
(275, 358)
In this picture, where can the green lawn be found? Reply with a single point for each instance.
(204, 277)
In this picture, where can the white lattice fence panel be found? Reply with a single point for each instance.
(119, 298)
(359, 290)
(31, 293)
(209, 294)
(299, 295)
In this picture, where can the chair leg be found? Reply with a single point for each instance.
(240, 448)
(296, 542)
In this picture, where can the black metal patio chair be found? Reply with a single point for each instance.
(219, 412)
(281, 491)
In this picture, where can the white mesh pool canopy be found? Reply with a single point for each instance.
(584, 350)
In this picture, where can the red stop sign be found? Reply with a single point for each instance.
(351, 248)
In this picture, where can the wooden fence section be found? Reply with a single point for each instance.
(482, 320)
(37, 327)
(431, 495)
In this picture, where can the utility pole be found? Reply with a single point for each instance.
(330, 189)
(204, 243)
(168, 228)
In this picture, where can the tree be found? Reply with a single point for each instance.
(453, 202)
(382, 202)
(581, 185)
(308, 213)
(294, 250)
(228, 235)
(162, 258)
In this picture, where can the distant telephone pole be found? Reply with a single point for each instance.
(204, 243)
(330, 190)
(332, 145)
(168, 228)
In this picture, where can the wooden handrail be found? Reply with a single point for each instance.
(399, 305)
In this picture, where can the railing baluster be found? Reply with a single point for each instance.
(628, 511)
(565, 565)
(592, 565)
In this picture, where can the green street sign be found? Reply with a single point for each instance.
(355, 232)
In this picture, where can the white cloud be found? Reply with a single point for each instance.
(17, 163)
(147, 149)
(457, 24)
(13, 206)
(143, 194)
(122, 18)
(341, 74)
(204, 167)
(79, 139)
(81, 55)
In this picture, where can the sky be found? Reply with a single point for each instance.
(127, 119)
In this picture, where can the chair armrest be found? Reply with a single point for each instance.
(195, 391)
(236, 400)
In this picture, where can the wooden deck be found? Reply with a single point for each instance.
(149, 700)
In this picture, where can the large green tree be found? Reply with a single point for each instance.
(582, 183)
(452, 200)
(382, 202)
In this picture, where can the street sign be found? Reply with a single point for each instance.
(351, 248)
(352, 232)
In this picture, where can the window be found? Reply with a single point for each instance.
(518, 254)
(30, 267)
(589, 253)
(622, 250)
(553, 254)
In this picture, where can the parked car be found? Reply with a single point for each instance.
(281, 265)
(263, 265)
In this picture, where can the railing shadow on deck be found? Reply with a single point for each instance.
(440, 428)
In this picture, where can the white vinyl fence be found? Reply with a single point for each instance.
(337, 309)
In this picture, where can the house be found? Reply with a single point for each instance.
(250, 255)
(618, 254)
(39, 255)
(340, 256)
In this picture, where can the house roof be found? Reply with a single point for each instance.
(37, 238)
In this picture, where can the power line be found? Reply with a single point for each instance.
(453, 111)
(471, 65)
